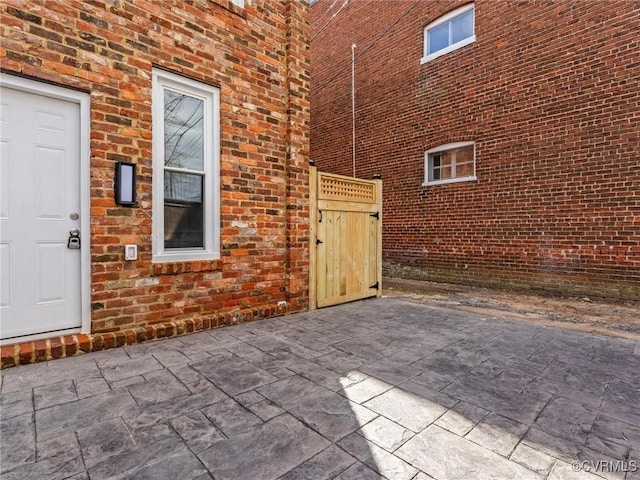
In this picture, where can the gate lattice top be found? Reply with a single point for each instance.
(336, 187)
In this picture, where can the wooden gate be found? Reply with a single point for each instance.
(346, 239)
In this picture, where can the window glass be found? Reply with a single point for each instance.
(183, 210)
(438, 37)
(462, 26)
(445, 172)
(464, 169)
(183, 149)
(183, 131)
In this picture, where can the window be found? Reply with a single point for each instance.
(186, 191)
(450, 32)
(238, 3)
(454, 162)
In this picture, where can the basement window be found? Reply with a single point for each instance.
(449, 32)
(186, 177)
(453, 162)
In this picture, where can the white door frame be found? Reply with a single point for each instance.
(83, 100)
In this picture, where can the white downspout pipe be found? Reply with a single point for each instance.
(353, 104)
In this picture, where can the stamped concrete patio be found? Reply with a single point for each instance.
(381, 388)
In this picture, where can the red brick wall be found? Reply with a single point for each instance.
(258, 57)
(549, 92)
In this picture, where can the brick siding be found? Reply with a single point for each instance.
(549, 92)
(258, 57)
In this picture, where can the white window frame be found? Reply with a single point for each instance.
(210, 95)
(455, 46)
(444, 148)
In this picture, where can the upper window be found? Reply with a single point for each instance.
(450, 32)
(239, 3)
(453, 162)
(186, 192)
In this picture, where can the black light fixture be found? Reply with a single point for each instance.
(125, 184)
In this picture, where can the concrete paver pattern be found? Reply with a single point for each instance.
(381, 388)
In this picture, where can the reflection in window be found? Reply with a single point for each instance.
(183, 212)
(183, 151)
(183, 131)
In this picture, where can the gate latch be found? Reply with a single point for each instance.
(318, 241)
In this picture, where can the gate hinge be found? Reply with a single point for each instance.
(375, 215)
(376, 286)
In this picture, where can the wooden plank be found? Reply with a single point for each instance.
(379, 237)
(349, 254)
(347, 298)
(339, 240)
(372, 266)
(344, 206)
(332, 244)
(313, 236)
(322, 255)
(360, 262)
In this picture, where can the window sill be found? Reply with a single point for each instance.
(233, 7)
(448, 49)
(175, 268)
(450, 180)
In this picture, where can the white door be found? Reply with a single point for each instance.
(40, 289)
